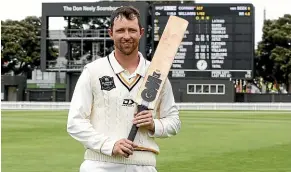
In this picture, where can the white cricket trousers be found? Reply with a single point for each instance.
(97, 166)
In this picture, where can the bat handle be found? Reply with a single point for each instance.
(134, 128)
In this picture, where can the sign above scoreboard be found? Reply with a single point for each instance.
(219, 41)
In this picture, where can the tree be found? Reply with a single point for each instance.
(273, 61)
(20, 48)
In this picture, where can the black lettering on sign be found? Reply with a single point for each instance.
(152, 86)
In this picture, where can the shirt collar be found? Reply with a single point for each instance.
(117, 68)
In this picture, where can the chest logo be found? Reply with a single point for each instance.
(128, 102)
(107, 83)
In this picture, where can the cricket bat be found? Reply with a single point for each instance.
(159, 68)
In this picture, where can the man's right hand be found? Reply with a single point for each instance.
(124, 148)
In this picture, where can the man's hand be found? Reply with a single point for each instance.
(124, 148)
(145, 119)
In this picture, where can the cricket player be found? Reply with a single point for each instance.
(102, 109)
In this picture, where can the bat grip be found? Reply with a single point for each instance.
(134, 128)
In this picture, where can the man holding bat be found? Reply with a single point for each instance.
(103, 109)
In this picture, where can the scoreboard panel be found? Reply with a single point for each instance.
(219, 41)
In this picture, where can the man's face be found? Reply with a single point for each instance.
(126, 34)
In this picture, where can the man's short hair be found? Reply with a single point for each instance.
(129, 12)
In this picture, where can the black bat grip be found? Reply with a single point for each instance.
(134, 128)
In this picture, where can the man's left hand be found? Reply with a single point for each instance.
(144, 119)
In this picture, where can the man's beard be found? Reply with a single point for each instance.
(126, 49)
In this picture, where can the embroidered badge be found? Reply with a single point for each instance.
(107, 83)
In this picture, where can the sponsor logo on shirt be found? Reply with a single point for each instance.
(128, 102)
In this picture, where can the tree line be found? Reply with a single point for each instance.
(273, 55)
(20, 46)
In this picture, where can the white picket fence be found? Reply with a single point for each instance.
(182, 106)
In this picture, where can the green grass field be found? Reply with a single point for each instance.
(209, 141)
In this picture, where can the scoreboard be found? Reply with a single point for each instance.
(218, 43)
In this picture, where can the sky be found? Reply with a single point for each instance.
(19, 9)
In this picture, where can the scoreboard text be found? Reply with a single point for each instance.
(219, 41)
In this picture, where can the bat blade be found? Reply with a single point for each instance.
(160, 66)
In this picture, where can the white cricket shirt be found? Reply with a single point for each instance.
(102, 110)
